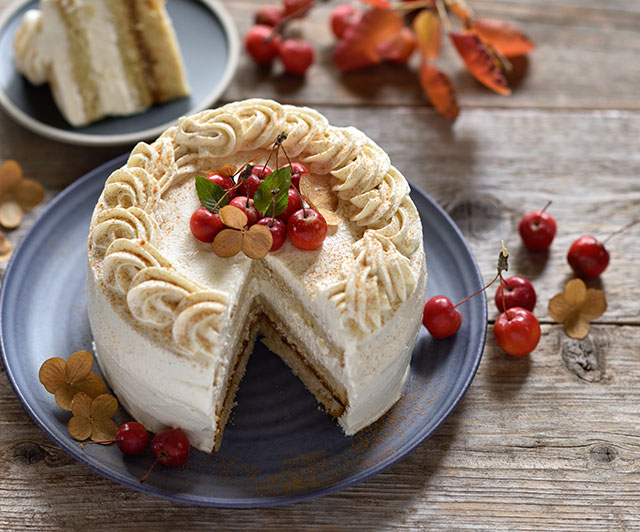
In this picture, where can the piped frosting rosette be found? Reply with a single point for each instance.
(371, 193)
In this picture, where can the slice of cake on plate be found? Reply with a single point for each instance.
(174, 324)
(101, 57)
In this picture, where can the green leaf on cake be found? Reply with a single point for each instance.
(275, 184)
(211, 195)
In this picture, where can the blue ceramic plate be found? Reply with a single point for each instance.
(208, 40)
(278, 446)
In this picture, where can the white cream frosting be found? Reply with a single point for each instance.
(148, 270)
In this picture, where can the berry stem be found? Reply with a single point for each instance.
(622, 229)
(302, 8)
(503, 266)
(146, 476)
(540, 213)
(497, 276)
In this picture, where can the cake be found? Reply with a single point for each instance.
(101, 57)
(174, 324)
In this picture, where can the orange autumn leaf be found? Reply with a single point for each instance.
(429, 34)
(505, 38)
(440, 91)
(399, 48)
(480, 61)
(358, 47)
(382, 4)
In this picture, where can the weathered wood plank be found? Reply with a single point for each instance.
(493, 166)
(531, 447)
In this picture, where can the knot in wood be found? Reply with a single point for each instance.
(603, 454)
(583, 358)
(29, 453)
(478, 215)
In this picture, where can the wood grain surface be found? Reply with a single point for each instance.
(548, 442)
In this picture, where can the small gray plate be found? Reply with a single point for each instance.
(209, 43)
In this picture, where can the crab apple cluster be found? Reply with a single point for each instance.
(264, 41)
(517, 330)
(587, 256)
(305, 227)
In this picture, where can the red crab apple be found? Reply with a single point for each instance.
(343, 17)
(246, 205)
(170, 447)
(294, 204)
(440, 317)
(307, 229)
(269, 15)
(537, 230)
(278, 230)
(262, 44)
(225, 182)
(517, 331)
(249, 186)
(205, 225)
(297, 56)
(132, 438)
(297, 170)
(587, 257)
(516, 291)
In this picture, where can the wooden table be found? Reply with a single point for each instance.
(545, 442)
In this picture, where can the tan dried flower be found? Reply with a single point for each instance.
(255, 241)
(16, 194)
(316, 191)
(228, 170)
(576, 307)
(66, 379)
(92, 418)
(6, 248)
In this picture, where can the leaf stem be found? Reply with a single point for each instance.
(416, 4)
(444, 17)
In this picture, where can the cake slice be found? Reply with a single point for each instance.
(101, 57)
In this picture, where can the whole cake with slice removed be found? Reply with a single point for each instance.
(174, 323)
(101, 57)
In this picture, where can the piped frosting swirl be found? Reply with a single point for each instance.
(373, 194)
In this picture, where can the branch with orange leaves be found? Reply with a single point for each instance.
(392, 31)
(484, 45)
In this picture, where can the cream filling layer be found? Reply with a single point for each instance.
(55, 44)
(115, 95)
